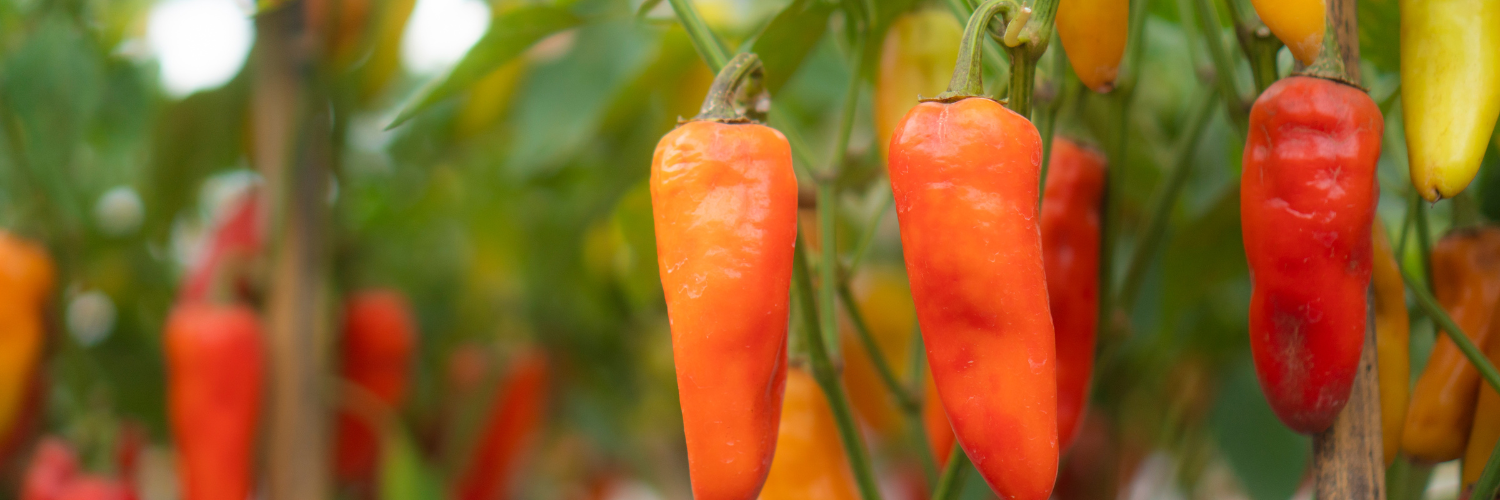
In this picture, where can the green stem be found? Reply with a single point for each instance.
(1330, 63)
(867, 240)
(962, 11)
(917, 370)
(1257, 42)
(828, 265)
(1424, 238)
(1022, 81)
(952, 482)
(738, 94)
(1046, 124)
(968, 71)
(1208, 24)
(1489, 480)
(1449, 327)
(708, 45)
(1161, 208)
(904, 399)
(1110, 220)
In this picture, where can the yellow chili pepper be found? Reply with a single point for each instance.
(1298, 23)
(1392, 342)
(915, 60)
(885, 301)
(1450, 89)
(1094, 33)
(810, 461)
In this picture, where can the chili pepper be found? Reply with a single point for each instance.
(1307, 202)
(1466, 279)
(965, 172)
(1392, 342)
(1450, 90)
(1094, 32)
(916, 60)
(724, 200)
(26, 279)
(1298, 23)
(215, 362)
(1486, 429)
(1070, 251)
(87, 487)
(377, 350)
(810, 460)
(885, 302)
(237, 235)
(53, 466)
(515, 418)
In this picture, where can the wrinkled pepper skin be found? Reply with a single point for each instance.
(916, 60)
(376, 352)
(1093, 32)
(26, 281)
(1466, 279)
(885, 302)
(810, 460)
(1486, 430)
(1298, 23)
(1450, 90)
(965, 178)
(215, 367)
(1307, 202)
(515, 420)
(724, 200)
(1070, 252)
(1392, 343)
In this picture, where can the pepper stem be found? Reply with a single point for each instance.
(738, 94)
(1333, 61)
(968, 72)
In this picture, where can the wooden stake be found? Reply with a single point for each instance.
(1347, 459)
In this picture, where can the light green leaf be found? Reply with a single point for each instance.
(790, 36)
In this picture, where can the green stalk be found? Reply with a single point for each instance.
(1424, 238)
(904, 399)
(952, 482)
(917, 367)
(1446, 325)
(1046, 124)
(867, 240)
(709, 47)
(1208, 24)
(1161, 208)
(828, 265)
(1257, 42)
(968, 71)
(1110, 220)
(1489, 480)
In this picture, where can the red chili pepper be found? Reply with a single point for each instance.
(724, 199)
(1070, 251)
(964, 171)
(53, 466)
(93, 488)
(376, 356)
(514, 420)
(216, 362)
(1307, 199)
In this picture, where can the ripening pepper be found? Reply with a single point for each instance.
(26, 280)
(514, 422)
(1466, 281)
(1093, 32)
(1298, 23)
(1392, 343)
(1070, 252)
(885, 302)
(724, 200)
(1486, 430)
(916, 60)
(376, 352)
(1450, 90)
(964, 171)
(1307, 202)
(810, 460)
(215, 370)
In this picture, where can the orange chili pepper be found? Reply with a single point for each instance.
(1094, 33)
(1392, 342)
(1486, 430)
(215, 366)
(26, 279)
(810, 460)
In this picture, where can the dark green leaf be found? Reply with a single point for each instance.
(510, 34)
(1268, 458)
(1380, 33)
(790, 36)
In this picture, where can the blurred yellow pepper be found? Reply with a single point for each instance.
(810, 461)
(1450, 89)
(1093, 32)
(916, 59)
(1298, 23)
(1392, 342)
(884, 300)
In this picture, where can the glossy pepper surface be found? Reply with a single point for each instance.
(1392, 343)
(1450, 90)
(1486, 429)
(724, 200)
(810, 460)
(965, 178)
(215, 364)
(1466, 279)
(515, 419)
(916, 60)
(26, 281)
(885, 302)
(1070, 253)
(1307, 202)
(1298, 23)
(1093, 32)
(376, 352)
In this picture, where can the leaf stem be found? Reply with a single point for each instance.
(1424, 238)
(952, 481)
(1449, 327)
(1208, 25)
(968, 70)
(867, 240)
(708, 45)
(903, 398)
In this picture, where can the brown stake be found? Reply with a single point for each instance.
(1347, 460)
(293, 152)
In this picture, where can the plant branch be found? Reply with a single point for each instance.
(1445, 323)
(1424, 238)
(708, 45)
(904, 399)
(1489, 480)
(867, 240)
(1110, 221)
(952, 481)
(1208, 25)
(1257, 42)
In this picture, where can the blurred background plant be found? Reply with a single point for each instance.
(489, 162)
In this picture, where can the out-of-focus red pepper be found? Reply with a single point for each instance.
(88, 487)
(964, 171)
(515, 419)
(215, 368)
(53, 467)
(1070, 251)
(237, 236)
(724, 200)
(1307, 200)
(810, 460)
(376, 357)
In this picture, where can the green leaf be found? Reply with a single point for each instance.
(403, 476)
(1268, 458)
(789, 37)
(510, 34)
(1380, 33)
